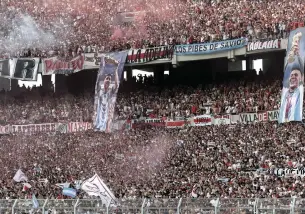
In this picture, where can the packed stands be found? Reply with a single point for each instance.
(209, 162)
(155, 163)
(69, 27)
(145, 100)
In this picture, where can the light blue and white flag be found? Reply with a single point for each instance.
(35, 202)
(69, 192)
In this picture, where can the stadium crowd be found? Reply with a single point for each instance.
(70, 26)
(212, 161)
(28, 106)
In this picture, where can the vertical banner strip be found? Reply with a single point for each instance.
(106, 89)
(293, 89)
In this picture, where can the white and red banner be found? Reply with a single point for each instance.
(55, 65)
(265, 45)
(221, 119)
(176, 123)
(150, 54)
(202, 120)
(78, 126)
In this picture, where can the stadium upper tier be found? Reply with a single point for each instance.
(68, 26)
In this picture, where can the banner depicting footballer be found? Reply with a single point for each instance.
(106, 89)
(293, 82)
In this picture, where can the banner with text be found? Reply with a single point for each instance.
(148, 122)
(264, 45)
(293, 82)
(106, 89)
(202, 120)
(259, 117)
(46, 128)
(56, 65)
(150, 54)
(221, 119)
(207, 48)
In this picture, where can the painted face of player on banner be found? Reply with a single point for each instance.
(295, 79)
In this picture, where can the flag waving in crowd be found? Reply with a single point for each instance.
(95, 186)
(20, 176)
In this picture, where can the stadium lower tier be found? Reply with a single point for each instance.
(261, 160)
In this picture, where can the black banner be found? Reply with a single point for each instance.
(26, 69)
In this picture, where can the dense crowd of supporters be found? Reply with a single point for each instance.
(72, 26)
(31, 106)
(212, 161)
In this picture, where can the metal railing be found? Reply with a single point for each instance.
(158, 206)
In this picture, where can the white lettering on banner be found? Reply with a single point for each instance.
(34, 128)
(202, 120)
(289, 172)
(5, 129)
(150, 54)
(79, 126)
(272, 44)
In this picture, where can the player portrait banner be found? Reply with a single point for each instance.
(25, 69)
(106, 89)
(207, 48)
(293, 89)
(21, 68)
(56, 65)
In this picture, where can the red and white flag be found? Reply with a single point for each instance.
(26, 186)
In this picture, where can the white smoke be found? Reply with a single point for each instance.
(24, 33)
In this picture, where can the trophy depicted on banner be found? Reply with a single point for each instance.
(294, 50)
(106, 92)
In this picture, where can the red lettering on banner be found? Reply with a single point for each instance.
(202, 120)
(52, 65)
(175, 123)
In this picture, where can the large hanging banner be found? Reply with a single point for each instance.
(106, 89)
(293, 89)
